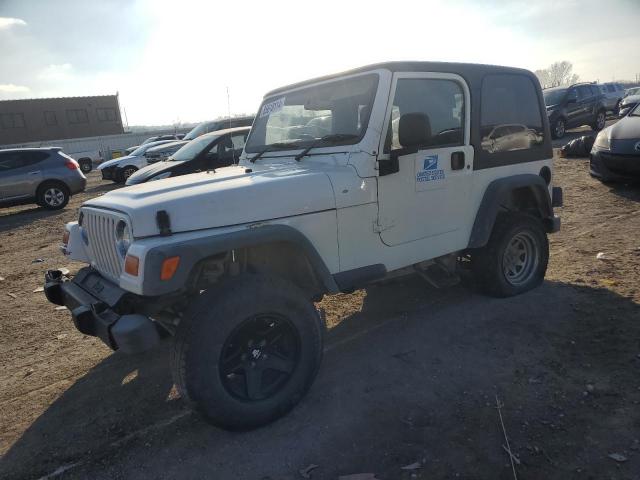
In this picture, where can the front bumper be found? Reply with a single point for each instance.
(96, 304)
(108, 173)
(609, 166)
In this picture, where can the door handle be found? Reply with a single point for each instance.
(457, 161)
(35, 172)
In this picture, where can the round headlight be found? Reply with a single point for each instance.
(123, 237)
(603, 141)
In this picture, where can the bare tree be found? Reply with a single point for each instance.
(558, 73)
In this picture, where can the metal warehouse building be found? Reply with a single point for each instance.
(39, 119)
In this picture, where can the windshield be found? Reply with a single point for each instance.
(140, 150)
(635, 112)
(297, 119)
(554, 97)
(198, 130)
(191, 149)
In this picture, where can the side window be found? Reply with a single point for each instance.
(9, 161)
(12, 120)
(31, 158)
(573, 94)
(510, 117)
(238, 140)
(440, 102)
(595, 90)
(77, 116)
(611, 88)
(106, 114)
(585, 91)
(50, 118)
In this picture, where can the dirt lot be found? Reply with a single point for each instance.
(410, 373)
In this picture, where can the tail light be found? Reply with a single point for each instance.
(71, 164)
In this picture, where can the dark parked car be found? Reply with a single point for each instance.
(628, 103)
(171, 136)
(161, 153)
(574, 106)
(208, 151)
(616, 151)
(45, 176)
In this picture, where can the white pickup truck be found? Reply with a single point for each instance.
(229, 262)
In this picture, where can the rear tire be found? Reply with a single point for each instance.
(515, 258)
(599, 122)
(247, 351)
(53, 195)
(559, 128)
(85, 165)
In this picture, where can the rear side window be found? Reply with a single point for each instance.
(595, 90)
(585, 91)
(611, 88)
(510, 117)
(13, 160)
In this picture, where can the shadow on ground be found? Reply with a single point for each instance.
(411, 377)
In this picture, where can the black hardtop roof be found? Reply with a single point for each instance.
(465, 70)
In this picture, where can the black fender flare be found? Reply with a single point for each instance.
(496, 195)
(192, 251)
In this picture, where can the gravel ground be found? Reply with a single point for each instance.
(410, 375)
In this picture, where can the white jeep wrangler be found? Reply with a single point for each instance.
(229, 262)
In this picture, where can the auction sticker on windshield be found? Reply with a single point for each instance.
(272, 107)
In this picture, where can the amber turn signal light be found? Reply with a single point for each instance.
(169, 267)
(65, 237)
(131, 264)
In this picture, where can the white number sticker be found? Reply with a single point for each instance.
(272, 107)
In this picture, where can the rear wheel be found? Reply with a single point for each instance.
(558, 129)
(515, 258)
(53, 195)
(85, 165)
(599, 121)
(248, 351)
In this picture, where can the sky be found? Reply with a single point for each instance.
(174, 61)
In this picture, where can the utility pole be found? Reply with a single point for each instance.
(229, 107)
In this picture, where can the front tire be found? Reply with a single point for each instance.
(515, 258)
(123, 174)
(247, 351)
(559, 128)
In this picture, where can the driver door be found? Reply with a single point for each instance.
(427, 161)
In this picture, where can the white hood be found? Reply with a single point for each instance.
(227, 197)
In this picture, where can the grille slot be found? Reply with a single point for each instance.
(101, 230)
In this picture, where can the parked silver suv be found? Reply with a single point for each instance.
(613, 93)
(45, 176)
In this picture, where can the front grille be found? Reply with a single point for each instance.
(100, 226)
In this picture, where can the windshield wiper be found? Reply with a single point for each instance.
(270, 148)
(333, 137)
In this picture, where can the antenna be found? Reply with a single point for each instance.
(233, 151)
(229, 107)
